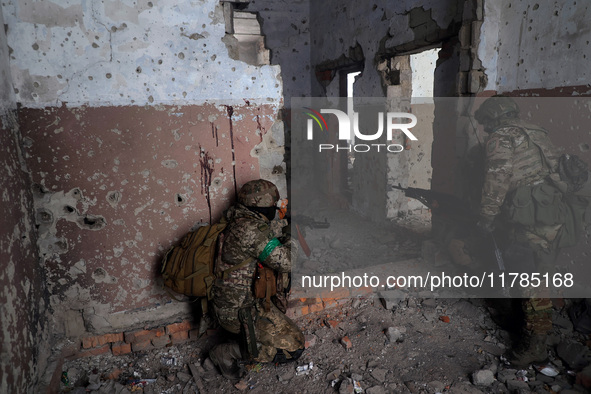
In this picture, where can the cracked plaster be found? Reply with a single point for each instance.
(113, 53)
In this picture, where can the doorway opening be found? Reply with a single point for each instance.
(410, 80)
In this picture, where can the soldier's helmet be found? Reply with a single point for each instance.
(258, 193)
(495, 108)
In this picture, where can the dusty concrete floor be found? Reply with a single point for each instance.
(418, 346)
(414, 344)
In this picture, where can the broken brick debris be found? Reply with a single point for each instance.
(346, 342)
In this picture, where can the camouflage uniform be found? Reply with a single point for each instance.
(250, 235)
(513, 159)
(521, 155)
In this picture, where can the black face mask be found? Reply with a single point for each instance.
(268, 212)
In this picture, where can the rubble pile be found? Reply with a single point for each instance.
(412, 345)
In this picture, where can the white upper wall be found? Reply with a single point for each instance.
(533, 44)
(423, 75)
(123, 52)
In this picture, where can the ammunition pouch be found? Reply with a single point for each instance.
(540, 204)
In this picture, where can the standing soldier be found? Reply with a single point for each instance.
(519, 159)
(251, 238)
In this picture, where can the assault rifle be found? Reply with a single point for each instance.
(438, 202)
(449, 205)
(300, 220)
(306, 221)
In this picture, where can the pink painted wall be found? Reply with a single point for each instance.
(22, 302)
(144, 176)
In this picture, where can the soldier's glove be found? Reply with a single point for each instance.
(287, 234)
(486, 224)
(287, 231)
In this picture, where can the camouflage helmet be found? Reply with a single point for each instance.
(258, 193)
(494, 108)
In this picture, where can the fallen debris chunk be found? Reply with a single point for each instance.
(242, 385)
(310, 340)
(195, 369)
(484, 377)
(547, 369)
(304, 369)
(379, 374)
(516, 385)
(444, 319)
(395, 334)
(346, 342)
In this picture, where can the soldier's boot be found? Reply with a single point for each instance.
(538, 320)
(227, 358)
(285, 356)
(531, 349)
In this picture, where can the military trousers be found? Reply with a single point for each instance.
(265, 334)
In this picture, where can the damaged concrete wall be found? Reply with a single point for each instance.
(380, 29)
(137, 125)
(23, 307)
(286, 27)
(369, 33)
(122, 53)
(536, 45)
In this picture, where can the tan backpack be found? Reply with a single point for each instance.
(188, 268)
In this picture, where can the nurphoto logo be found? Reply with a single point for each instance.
(345, 131)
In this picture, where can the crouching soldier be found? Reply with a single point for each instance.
(253, 238)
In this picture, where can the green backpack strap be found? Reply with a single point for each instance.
(224, 275)
(236, 267)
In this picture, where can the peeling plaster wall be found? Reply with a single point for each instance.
(286, 27)
(346, 32)
(136, 126)
(125, 53)
(7, 99)
(23, 327)
(116, 186)
(534, 44)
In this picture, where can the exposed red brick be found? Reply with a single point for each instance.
(120, 348)
(144, 335)
(179, 337)
(331, 323)
(444, 319)
(297, 311)
(161, 341)
(139, 346)
(346, 342)
(91, 352)
(116, 337)
(330, 303)
(177, 327)
(100, 340)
